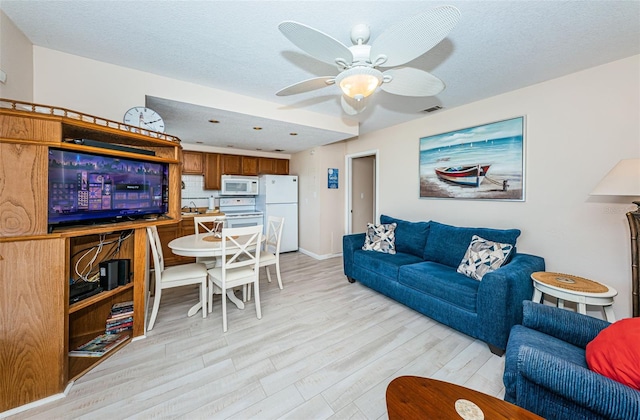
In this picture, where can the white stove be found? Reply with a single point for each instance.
(241, 211)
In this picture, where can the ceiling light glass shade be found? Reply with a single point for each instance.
(622, 180)
(352, 106)
(359, 82)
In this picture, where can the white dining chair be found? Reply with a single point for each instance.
(270, 254)
(239, 266)
(206, 225)
(176, 276)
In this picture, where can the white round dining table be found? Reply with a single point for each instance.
(197, 245)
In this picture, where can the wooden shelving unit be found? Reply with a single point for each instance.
(39, 326)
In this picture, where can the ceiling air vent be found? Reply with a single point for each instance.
(432, 109)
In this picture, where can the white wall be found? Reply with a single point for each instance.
(577, 128)
(16, 60)
(107, 90)
(321, 210)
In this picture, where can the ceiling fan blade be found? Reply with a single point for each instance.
(407, 81)
(351, 106)
(315, 43)
(413, 37)
(306, 86)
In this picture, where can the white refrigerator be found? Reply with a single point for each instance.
(278, 196)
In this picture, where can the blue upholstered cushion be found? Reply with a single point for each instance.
(442, 282)
(385, 265)
(448, 244)
(411, 237)
(523, 336)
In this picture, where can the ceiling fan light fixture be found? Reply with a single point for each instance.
(359, 82)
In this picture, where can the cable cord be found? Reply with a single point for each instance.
(125, 234)
(88, 273)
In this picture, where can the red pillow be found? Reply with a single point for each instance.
(615, 352)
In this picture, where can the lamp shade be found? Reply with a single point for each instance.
(622, 180)
(359, 82)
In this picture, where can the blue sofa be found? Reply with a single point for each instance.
(546, 371)
(422, 275)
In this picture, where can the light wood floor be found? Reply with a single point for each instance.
(324, 349)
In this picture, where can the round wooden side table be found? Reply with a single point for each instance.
(574, 289)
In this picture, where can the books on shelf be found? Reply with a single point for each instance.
(119, 322)
(122, 307)
(99, 346)
(119, 330)
(120, 318)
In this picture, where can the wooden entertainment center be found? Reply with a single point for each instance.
(39, 326)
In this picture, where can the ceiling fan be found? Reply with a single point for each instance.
(359, 76)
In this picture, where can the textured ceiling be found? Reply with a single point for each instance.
(238, 131)
(498, 46)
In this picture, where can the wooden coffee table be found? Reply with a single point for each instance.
(413, 397)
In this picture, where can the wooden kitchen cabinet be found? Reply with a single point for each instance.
(167, 234)
(281, 166)
(249, 165)
(216, 165)
(266, 166)
(212, 171)
(188, 227)
(192, 163)
(272, 166)
(170, 232)
(231, 164)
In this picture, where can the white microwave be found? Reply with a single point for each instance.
(239, 185)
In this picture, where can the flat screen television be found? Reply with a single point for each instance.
(86, 188)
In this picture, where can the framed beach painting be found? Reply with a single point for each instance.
(482, 162)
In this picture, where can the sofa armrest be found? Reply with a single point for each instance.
(573, 383)
(500, 297)
(572, 327)
(350, 243)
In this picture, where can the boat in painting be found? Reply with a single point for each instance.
(467, 175)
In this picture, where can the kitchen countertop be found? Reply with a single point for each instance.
(201, 211)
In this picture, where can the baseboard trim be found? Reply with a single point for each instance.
(35, 404)
(319, 257)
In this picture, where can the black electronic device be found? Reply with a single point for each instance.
(109, 274)
(82, 290)
(103, 145)
(89, 188)
(124, 272)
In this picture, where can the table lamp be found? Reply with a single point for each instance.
(624, 180)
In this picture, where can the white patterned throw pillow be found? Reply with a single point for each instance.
(482, 257)
(380, 238)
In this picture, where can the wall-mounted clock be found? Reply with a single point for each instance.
(143, 117)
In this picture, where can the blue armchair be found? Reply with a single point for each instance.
(546, 371)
